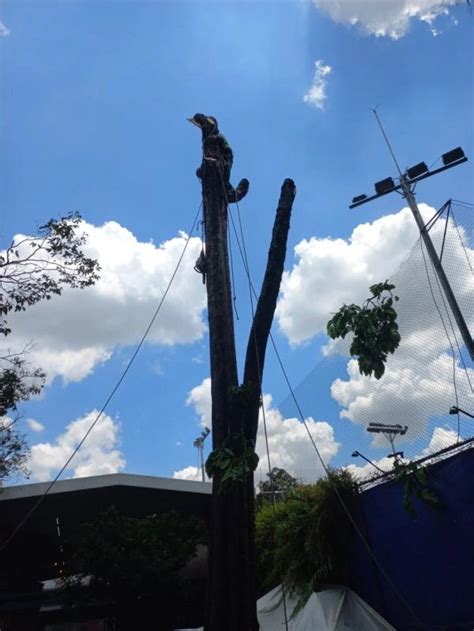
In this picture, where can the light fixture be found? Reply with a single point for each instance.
(199, 443)
(452, 156)
(359, 198)
(405, 186)
(396, 454)
(455, 410)
(384, 186)
(390, 432)
(383, 428)
(357, 454)
(417, 170)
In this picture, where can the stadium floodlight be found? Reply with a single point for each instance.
(384, 186)
(455, 410)
(455, 155)
(357, 454)
(199, 443)
(417, 170)
(359, 198)
(384, 428)
(405, 185)
(390, 431)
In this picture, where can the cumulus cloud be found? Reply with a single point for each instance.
(410, 392)
(390, 18)
(4, 32)
(6, 421)
(200, 398)
(34, 425)
(289, 444)
(365, 471)
(440, 439)
(100, 453)
(189, 473)
(316, 94)
(422, 379)
(80, 329)
(426, 374)
(329, 272)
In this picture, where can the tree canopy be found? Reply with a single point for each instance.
(32, 269)
(278, 485)
(133, 555)
(135, 565)
(303, 540)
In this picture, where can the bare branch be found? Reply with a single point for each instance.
(262, 322)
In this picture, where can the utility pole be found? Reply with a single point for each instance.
(406, 184)
(232, 561)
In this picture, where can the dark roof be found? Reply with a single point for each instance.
(30, 556)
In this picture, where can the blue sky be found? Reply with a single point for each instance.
(93, 108)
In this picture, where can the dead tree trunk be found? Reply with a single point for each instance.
(232, 576)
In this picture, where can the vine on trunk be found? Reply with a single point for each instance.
(234, 461)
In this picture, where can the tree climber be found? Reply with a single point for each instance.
(216, 150)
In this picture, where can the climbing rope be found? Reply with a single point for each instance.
(243, 253)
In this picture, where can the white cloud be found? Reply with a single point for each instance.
(289, 444)
(80, 329)
(368, 470)
(410, 392)
(421, 379)
(200, 398)
(4, 32)
(98, 455)
(6, 421)
(329, 272)
(387, 18)
(188, 473)
(418, 383)
(34, 425)
(316, 95)
(440, 439)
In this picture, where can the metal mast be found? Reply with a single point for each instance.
(405, 186)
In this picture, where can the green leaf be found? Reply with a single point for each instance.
(374, 328)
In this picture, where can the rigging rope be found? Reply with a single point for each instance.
(243, 253)
(109, 398)
(264, 418)
(231, 258)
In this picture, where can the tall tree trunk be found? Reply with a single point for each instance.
(232, 580)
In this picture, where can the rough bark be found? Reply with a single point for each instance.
(262, 322)
(232, 584)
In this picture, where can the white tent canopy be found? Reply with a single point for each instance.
(334, 609)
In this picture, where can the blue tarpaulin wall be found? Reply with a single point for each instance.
(430, 559)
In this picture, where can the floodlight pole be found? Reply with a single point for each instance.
(443, 279)
(405, 187)
(199, 443)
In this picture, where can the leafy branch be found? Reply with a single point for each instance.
(414, 478)
(36, 268)
(233, 461)
(374, 326)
